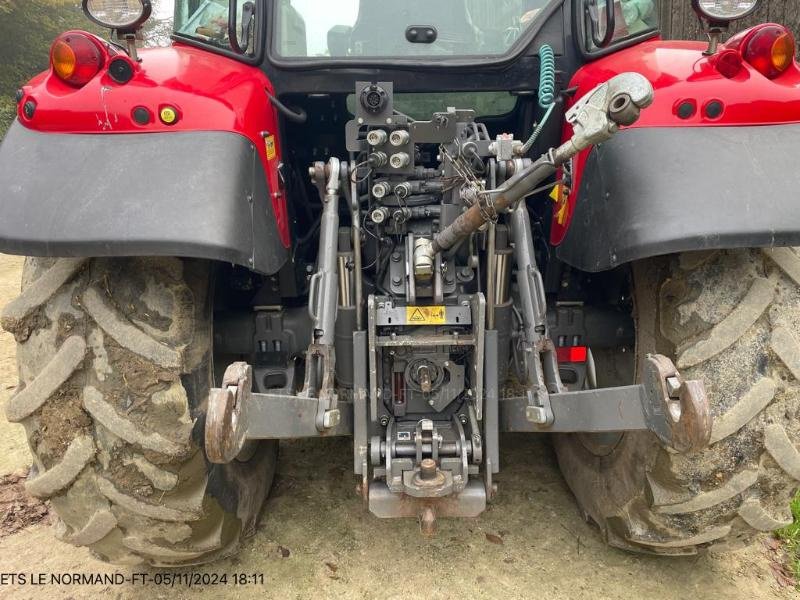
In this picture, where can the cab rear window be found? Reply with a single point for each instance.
(422, 106)
(383, 28)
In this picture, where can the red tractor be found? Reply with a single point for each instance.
(418, 224)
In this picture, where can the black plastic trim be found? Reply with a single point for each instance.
(654, 191)
(200, 194)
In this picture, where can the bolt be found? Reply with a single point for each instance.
(427, 468)
(396, 256)
(463, 419)
(331, 418)
(673, 386)
(384, 421)
(536, 414)
(431, 402)
(396, 280)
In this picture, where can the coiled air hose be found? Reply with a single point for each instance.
(547, 90)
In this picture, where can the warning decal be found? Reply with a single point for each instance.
(269, 141)
(425, 315)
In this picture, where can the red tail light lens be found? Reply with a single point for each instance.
(771, 50)
(75, 58)
(728, 63)
(571, 354)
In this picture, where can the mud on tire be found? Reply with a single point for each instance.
(115, 366)
(732, 319)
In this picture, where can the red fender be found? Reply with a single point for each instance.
(210, 92)
(681, 75)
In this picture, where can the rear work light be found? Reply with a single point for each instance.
(770, 50)
(75, 58)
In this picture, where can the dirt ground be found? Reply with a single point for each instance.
(316, 540)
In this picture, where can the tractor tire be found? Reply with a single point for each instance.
(731, 319)
(115, 366)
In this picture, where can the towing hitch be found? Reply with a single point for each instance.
(236, 415)
(676, 410)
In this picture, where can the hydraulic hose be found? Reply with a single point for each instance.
(546, 93)
(514, 189)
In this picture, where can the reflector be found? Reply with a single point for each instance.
(571, 354)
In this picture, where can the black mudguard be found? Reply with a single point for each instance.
(196, 194)
(655, 191)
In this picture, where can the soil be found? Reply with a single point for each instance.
(315, 538)
(18, 510)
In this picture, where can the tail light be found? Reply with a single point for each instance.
(571, 354)
(770, 50)
(728, 63)
(75, 58)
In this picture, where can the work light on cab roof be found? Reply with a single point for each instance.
(726, 10)
(121, 15)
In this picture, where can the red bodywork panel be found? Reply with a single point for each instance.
(209, 91)
(681, 73)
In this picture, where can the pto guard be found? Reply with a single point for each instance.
(196, 194)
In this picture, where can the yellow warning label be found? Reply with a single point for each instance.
(559, 196)
(270, 143)
(425, 315)
(556, 193)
